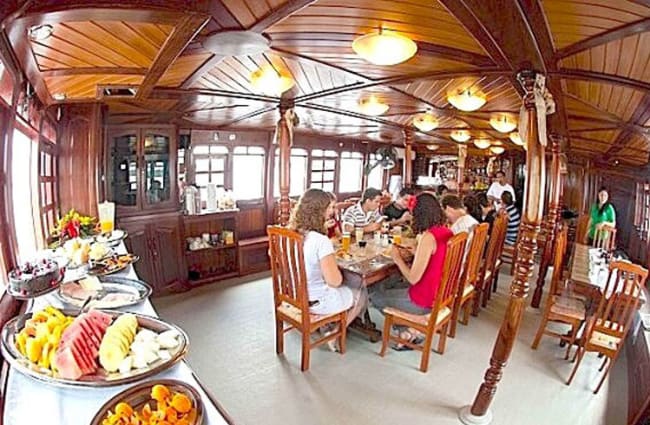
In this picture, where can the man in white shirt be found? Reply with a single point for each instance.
(498, 187)
(365, 213)
(457, 215)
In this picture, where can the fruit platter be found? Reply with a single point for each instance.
(104, 292)
(78, 252)
(164, 401)
(97, 348)
(112, 264)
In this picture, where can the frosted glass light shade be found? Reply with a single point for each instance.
(372, 106)
(460, 136)
(497, 150)
(271, 82)
(466, 100)
(384, 48)
(503, 123)
(425, 122)
(482, 143)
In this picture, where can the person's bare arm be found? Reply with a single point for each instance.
(426, 247)
(331, 273)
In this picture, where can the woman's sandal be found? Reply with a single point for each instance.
(417, 340)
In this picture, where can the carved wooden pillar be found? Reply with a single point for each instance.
(479, 412)
(462, 155)
(552, 218)
(408, 158)
(283, 137)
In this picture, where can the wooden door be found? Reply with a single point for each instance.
(123, 170)
(167, 258)
(158, 169)
(139, 243)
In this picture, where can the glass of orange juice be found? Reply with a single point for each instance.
(345, 241)
(106, 214)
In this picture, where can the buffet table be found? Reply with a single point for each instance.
(28, 401)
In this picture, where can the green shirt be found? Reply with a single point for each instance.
(608, 215)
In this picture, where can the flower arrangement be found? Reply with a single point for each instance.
(73, 225)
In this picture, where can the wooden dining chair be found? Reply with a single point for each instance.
(606, 330)
(492, 262)
(438, 320)
(605, 238)
(582, 227)
(470, 276)
(560, 306)
(291, 298)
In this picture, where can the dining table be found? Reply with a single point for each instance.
(30, 401)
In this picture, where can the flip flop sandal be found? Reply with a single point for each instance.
(417, 340)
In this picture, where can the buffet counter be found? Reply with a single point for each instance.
(29, 401)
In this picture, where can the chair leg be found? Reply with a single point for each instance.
(388, 321)
(540, 332)
(572, 340)
(443, 339)
(279, 336)
(306, 348)
(466, 309)
(344, 332)
(454, 318)
(476, 302)
(609, 367)
(602, 366)
(580, 354)
(426, 352)
(495, 282)
(486, 293)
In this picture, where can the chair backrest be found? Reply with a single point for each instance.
(620, 299)
(605, 238)
(475, 255)
(288, 268)
(558, 259)
(450, 274)
(496, 241)
(581, 227)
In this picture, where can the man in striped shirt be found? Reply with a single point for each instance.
(364, 213)
(514, 218)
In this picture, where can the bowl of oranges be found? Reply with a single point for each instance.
(160, 402)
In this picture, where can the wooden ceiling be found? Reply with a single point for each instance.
(594, 52)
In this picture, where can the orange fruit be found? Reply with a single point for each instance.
(123, 409)
(181, 403)
(160, 392)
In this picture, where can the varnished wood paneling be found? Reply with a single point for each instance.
(616, 100)
(182, 68)
(252, 221)
(85, 86)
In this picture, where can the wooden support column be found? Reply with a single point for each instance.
(479, 412)
(462, 155)
(283, 137)
(408, 158)
(552, 218)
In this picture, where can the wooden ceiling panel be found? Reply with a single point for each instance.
(616, 100)
(182, 68)
(248, 12)
(627, 58)
(574, 20)
(420, 20)
(85, 86)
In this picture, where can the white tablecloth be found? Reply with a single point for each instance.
(29, 401)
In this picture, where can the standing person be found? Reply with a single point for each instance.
(325, 288)
(397, 211)
(498, 187)
(601, 214)
(514, 218)
(364, 213)
(425, 274)
(488, 213)
(457, 215)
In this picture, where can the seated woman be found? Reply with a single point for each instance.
(488, 213)
(425, 274)
(327, 293)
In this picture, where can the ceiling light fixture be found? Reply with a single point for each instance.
(516, 138)
(433, 147)
(40, 32)
(59, 96)
(236, 43)
(372, 106)
(466, 100)
(460, 136)
(497, 150)
(425, 122)
(384, 47)
(269, 81)
(482, 143)
(503, 123)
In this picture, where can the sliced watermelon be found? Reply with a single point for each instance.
(67, 365)
(104, 318)
(94, 339)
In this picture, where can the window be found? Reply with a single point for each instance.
(210, 162)
(323, 167)
(297, 172)
(23, 169)
(248, 172)
(48, 195)
(6, 84)
(352, 167)
(376, 176)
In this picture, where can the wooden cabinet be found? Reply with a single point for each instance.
(141, 169)
(156, 239)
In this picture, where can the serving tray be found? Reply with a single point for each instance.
(131, 291)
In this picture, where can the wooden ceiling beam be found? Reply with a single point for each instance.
(620, 124)
(17, 35)
(112, 70)
(600, 77)
(249, 115)
(180, 37)
(196, 94)
(279, 14)
(640, 116)
(613, 34)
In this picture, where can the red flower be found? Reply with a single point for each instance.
(71, 230)
(413, 201)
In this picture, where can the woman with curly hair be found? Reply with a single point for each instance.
(425, 274)
(325, 288)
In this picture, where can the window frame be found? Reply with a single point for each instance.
(263, 154)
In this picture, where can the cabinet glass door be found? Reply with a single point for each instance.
(157, 167)
(123, 177)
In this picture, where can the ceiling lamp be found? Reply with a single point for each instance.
(372, 106)
(59, 96)
(384, 47)
(425, 121)
(503, 124)
(515, 138)
(433, 147)
(482, 143)
(40, 32)
(269, 81)
(460, 135)
(236, 43)
(466, 100)
(497, 150)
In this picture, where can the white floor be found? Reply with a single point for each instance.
(231, 330)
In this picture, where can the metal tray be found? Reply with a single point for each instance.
(101, 378)
(114, 239)
(140, 395)
(136, 291)
(99, 268)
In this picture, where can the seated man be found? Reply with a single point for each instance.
(365, 213)
(514, 218)
(397, 212)
(457, 215)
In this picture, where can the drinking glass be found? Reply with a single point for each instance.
(106, 212)
(358, 233)
(345, 241)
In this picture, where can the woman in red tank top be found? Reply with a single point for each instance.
(424, 275)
